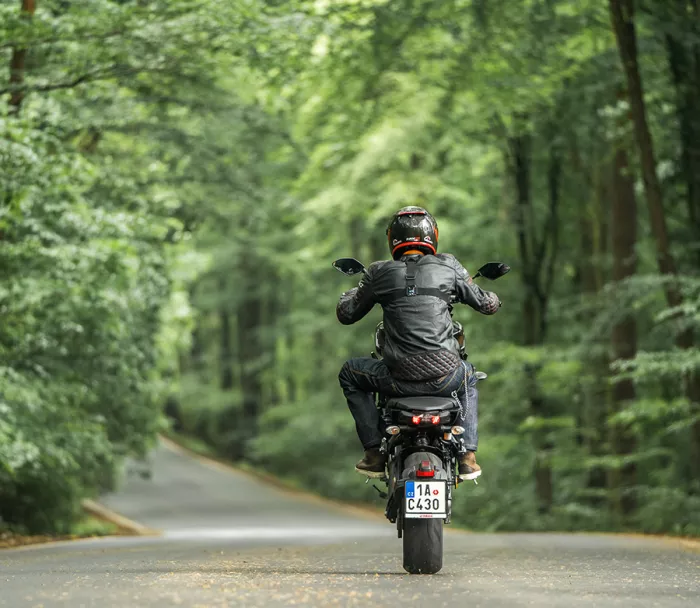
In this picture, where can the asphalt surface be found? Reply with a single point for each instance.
(229, 540)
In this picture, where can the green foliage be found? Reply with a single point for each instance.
(178, 176)
(377, 105)
(90, 224)
(362, 107)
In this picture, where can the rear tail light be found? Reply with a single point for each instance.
(427, 418)
(425, 469)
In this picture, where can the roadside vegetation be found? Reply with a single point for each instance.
(84, 527)
(177, 176)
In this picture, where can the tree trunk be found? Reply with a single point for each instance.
(684, 61)
(275, 308)
(18, 61)
(594, 246)
(378, 244)
(622, 12)
(356, 230)
(622, 15)
(249, 334)
(291, 347)
(190, 361)
(225, 355)
(624, 334)
(533, 313)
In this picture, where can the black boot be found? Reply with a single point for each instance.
(373, 464)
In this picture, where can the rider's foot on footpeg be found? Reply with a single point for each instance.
(468, 469)
(373, 464)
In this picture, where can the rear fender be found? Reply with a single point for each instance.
(410, 465)
(412, 462)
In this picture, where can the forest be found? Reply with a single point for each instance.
(177, 176)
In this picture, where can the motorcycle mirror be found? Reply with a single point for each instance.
(348, 266)
(492, 270)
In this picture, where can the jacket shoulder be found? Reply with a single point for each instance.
(377, 267)
(379, 264)
(448, 259)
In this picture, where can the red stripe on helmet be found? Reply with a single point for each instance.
(414, 244)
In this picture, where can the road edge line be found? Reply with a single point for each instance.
(133, 527)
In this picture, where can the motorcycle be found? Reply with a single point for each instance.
(423, 445)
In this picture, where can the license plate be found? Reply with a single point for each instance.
(425, 499)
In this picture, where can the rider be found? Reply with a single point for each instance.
(421, 354)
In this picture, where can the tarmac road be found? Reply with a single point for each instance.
(229, 540)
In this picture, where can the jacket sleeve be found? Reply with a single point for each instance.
(468, 292)
(356, 303)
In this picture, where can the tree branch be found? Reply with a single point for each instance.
(42, 41)
(99, 74)
(24, 89)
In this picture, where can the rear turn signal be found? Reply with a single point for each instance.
(393, 430)
(457, 430)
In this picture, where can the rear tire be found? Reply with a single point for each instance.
(422, 546)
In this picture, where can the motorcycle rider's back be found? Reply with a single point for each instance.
(421, 355)
(418, 328)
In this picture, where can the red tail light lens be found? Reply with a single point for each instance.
(435, 419)
(425, 469)
(416, 419)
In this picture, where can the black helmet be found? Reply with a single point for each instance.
(412, 228)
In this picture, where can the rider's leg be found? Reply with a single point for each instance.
(469, 414)
(468, 468)
(462, 384)
(359, 379)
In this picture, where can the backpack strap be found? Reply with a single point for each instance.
(411, 290)
(411, 268)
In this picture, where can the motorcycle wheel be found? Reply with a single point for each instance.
(422, 546)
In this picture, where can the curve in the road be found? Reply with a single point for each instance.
(229, 540)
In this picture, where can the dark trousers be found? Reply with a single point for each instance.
(361, 377)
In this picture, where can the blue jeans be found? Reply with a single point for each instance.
(361, 377)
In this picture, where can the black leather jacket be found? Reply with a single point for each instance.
(414, 293)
